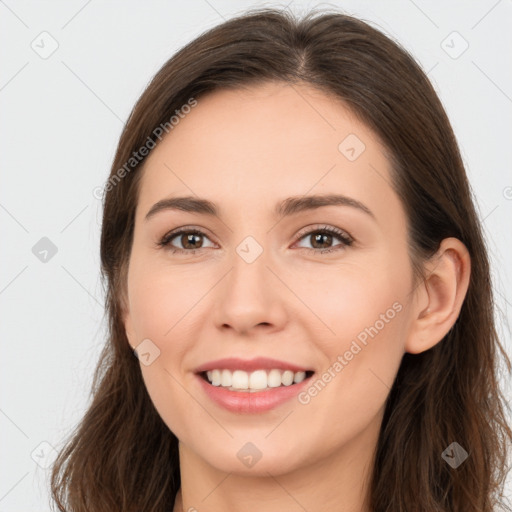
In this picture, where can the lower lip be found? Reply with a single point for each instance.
(252, 403)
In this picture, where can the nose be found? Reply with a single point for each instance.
(251, 296)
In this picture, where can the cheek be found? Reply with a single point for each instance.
(353, 302)
(159, 300)
(360, 367)
(369, 312)
(363, 349)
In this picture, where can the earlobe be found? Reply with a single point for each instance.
(441, 296)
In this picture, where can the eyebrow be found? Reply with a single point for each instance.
(287, 207)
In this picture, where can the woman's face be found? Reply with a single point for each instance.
(258, 283)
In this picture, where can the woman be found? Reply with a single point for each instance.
(291, 250)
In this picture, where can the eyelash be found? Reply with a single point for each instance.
(346, 240)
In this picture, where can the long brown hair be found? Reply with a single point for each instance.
(123, 457)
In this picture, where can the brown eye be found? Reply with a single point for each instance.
(188, 239)
(322, 239)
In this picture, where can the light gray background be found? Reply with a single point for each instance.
(61, 120)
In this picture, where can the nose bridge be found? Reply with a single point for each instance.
(250, 249)
(249, 264)
(248, 298)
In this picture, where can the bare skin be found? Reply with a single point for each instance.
(247, 150)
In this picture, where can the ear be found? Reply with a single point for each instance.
(439, 297)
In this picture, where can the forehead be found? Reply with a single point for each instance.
(256, 145)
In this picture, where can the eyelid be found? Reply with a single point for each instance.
(324, 227)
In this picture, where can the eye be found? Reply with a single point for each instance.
(189, 239)
(325, 235)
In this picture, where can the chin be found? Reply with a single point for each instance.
(253, 458)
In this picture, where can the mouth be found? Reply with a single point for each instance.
(254, 382)
(257, 393)
(252, 386)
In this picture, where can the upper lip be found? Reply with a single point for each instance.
(248, 365)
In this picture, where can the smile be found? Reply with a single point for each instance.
(240, 380)
(239, 397)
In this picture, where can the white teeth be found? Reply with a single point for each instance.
(226, 378)
(287, 378)
(216, 377)
(299, 377)
(240, 379)
(257, 380)
(274, 379)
